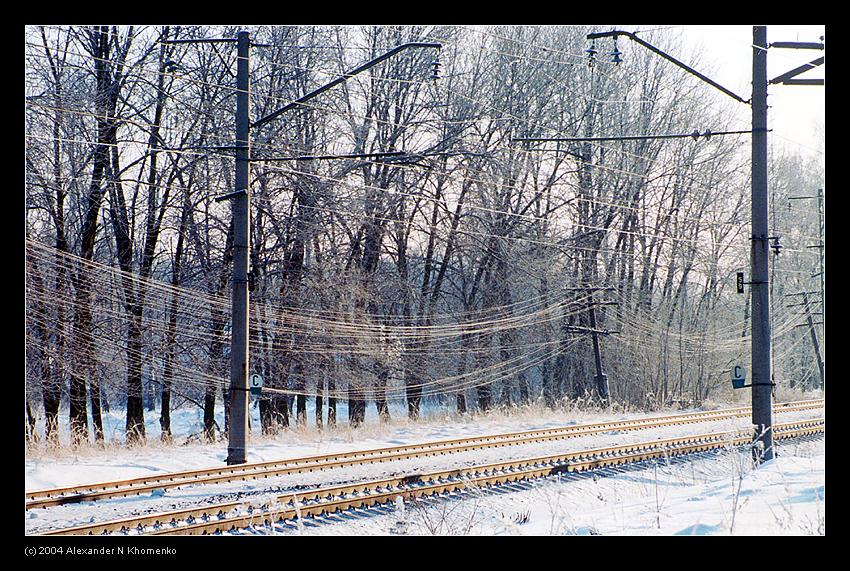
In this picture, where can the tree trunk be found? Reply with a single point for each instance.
(32, 433)
(319, 404)
(171, 333)
(381, 393)
(300, 397)
(135, 424)
(332, 400)
(84, 346)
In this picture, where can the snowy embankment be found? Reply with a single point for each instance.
(47, 468)
(717, 496)
(789, 490)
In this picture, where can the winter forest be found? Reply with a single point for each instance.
(408, 244)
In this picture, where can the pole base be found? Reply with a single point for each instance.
(235, 457)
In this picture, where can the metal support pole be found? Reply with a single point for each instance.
(762, 383)
(601, 377)
(814, 336)
(237, 442)
(822, 250)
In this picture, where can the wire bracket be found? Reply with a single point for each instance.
(229, 195)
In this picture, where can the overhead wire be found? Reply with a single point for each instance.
(502, 212)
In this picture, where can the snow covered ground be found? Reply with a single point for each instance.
(721, 495)
(717, 495)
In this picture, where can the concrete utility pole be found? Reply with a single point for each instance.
(762, 383)
(822, 247)
(237, 441)
(240, 211)
(601, 377)
(238, 431)
(762, 394)
(822, 251)
(810, 322)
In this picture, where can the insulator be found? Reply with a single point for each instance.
(615, 56)
(435, 71)
(591, 54)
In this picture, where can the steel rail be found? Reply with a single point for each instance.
(137, 486)
(333, 499)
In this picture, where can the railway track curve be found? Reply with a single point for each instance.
(230, 516)
(263, 470)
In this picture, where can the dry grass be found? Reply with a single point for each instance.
(568, 412)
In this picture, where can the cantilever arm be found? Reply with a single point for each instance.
(786, 77)
(342, 78)
(647, 45)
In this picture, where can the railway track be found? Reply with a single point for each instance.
(226, 517)
(262, 470)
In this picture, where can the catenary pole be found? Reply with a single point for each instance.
(601, 378)
(238, 431)
(762, 393)
(762, 385)
(822, 249)
(237, 441)
(815, 344)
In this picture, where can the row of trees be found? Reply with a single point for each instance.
(463, 272)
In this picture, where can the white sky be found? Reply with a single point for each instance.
(796, 113)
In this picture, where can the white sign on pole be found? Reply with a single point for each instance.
(255, 383)
(739, 376)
